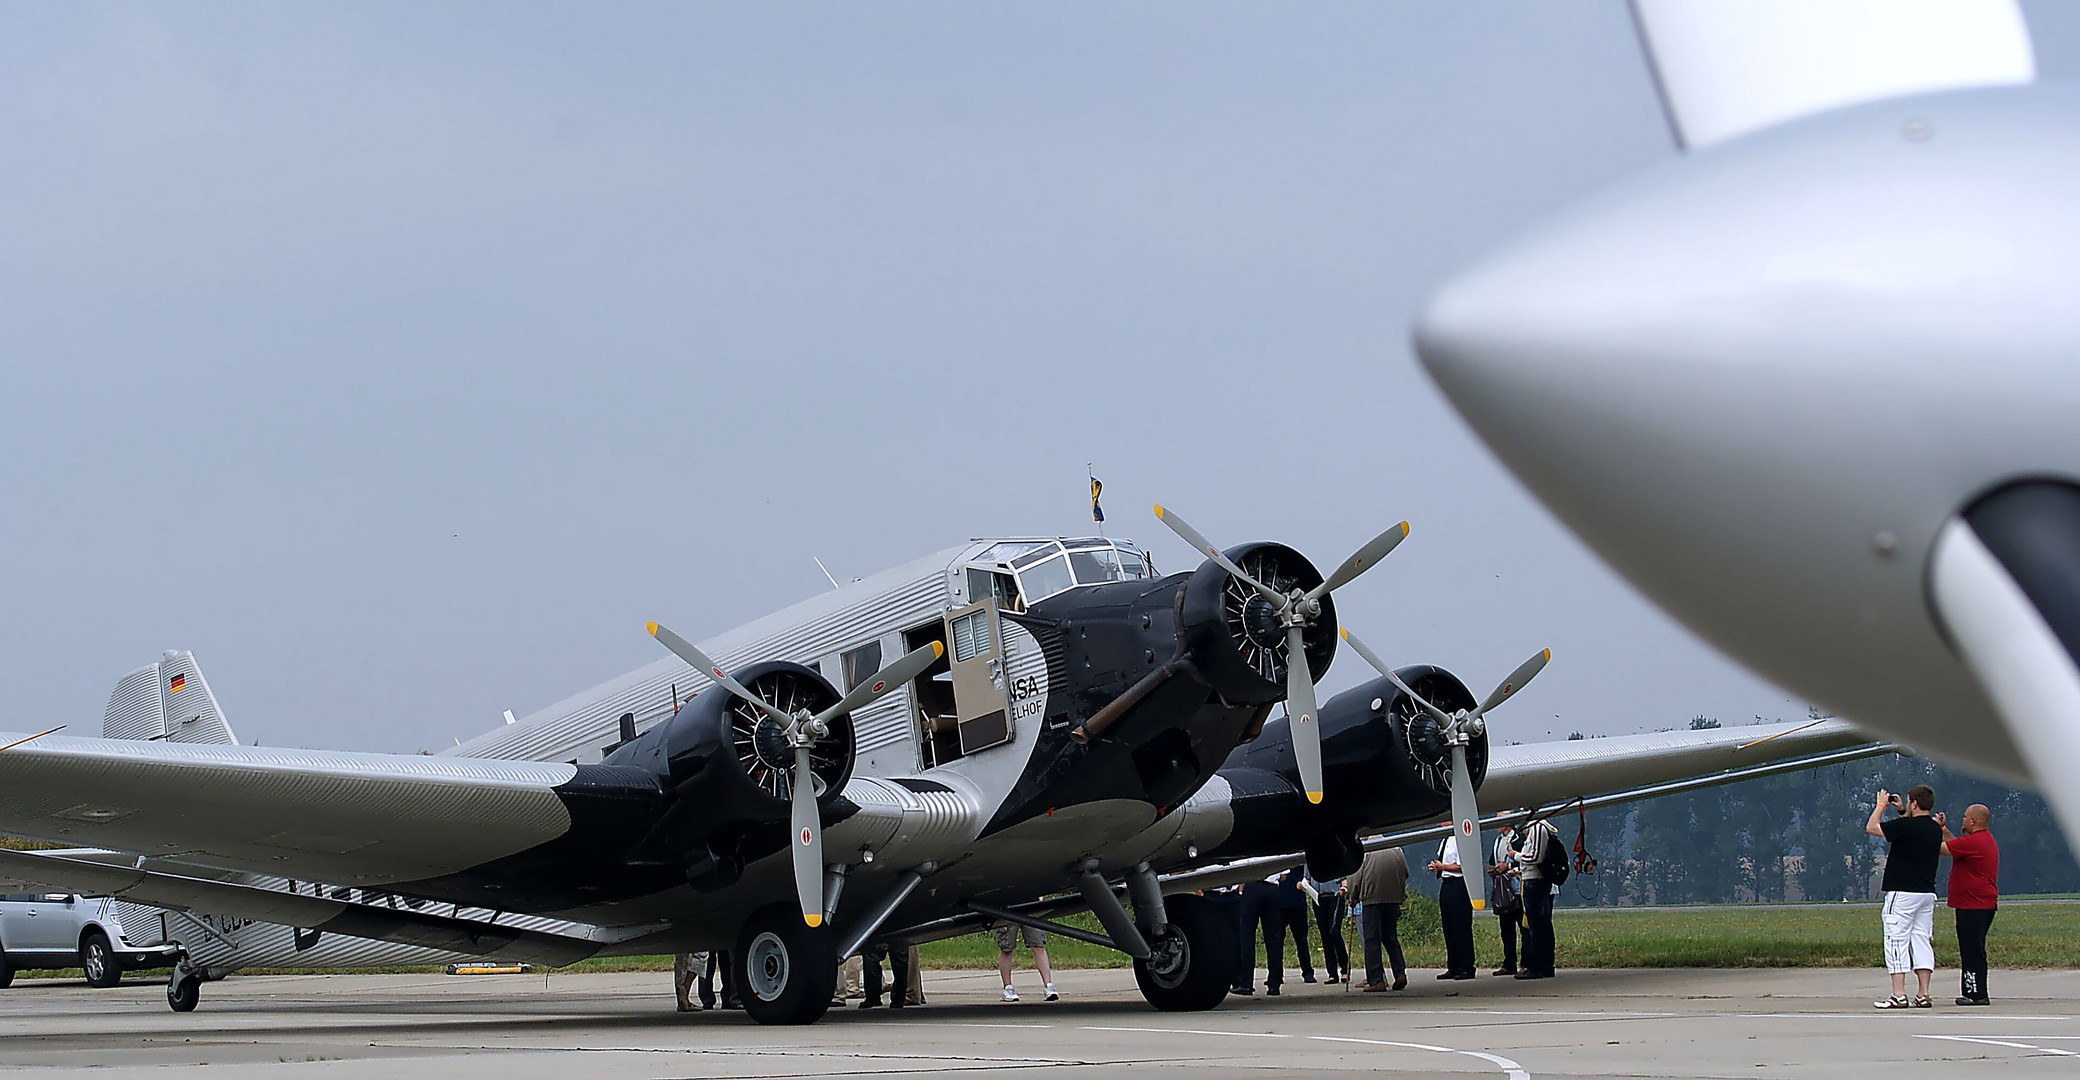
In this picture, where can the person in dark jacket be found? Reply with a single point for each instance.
(1328, 917)
(1261, 912)
(1292, 908)
(1455, 906)
(1379, 888)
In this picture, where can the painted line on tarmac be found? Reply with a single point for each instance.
(1191, 1031)
(2052, 1050)
(1514, 1070)
(1714, 1014)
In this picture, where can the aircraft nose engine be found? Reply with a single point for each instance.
(729, 768)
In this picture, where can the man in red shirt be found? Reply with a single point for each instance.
(1975, 863)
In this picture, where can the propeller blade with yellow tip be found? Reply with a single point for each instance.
(1360, 561)
(686, 651)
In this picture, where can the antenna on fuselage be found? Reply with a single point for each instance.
(826, 571)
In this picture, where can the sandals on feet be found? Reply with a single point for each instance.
(1893, 1003)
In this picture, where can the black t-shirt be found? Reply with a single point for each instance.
(1917, 844)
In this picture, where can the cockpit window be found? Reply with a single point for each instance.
(1031, 557)
(1095, 567)
(1131, 564)
(1043, 580)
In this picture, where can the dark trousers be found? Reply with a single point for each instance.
(1455, 911)
(1328, 918)
(1380, 925)
(898, 969)
(1296, 924)
(718, 968)
(1538, 927)
(1260, 912)
(1512, 924)
(1972, 925)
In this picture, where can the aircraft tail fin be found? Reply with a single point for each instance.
(167, 701)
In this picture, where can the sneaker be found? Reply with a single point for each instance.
(1923, 1002)
(1010, 994)
(1051, 995)
(1892, 1003)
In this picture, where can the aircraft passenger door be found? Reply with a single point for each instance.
(976, 650)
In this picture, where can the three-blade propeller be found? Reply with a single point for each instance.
(1459, 730)
(1297, 610)
(802, 729)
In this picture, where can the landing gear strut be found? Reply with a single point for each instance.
(1192, 958)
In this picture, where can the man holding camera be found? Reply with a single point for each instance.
(1916, 843)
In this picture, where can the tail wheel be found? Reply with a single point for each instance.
(1191, 963)
(785, 968)
(183, 992)
(97, 958)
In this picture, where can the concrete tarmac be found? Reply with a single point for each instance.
(1660, 1023)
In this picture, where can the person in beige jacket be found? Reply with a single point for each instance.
(1380, 887)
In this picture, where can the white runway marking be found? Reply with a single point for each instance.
(1515, 1071)
(2053, 1050)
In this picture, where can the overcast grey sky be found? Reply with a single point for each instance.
(401, 360)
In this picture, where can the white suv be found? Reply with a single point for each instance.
(60, 930)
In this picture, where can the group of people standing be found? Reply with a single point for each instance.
(1919, 839)
(1520, 881)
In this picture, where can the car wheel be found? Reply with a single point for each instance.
(98, 959)
(183, 992)
(784, 967)
(1193, 961)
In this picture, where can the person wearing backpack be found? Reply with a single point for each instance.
(1544, 866)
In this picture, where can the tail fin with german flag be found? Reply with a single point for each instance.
(167, 701)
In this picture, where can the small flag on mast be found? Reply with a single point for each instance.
(1097, 488)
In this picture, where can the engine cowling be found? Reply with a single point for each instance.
(1233, 634)
(1383, 757)
(724, 766)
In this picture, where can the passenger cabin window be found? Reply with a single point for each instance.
(860, 664)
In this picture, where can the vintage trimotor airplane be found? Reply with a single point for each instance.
(1059, 718)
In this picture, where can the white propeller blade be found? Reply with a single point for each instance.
(1301, 710)
(1360, 561)
(1524, 674)
(909, 667)
(808, 839)
(685, 650)
(1466, 824)
(1191, 536)
(1380, 666)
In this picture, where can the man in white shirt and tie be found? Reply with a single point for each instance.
(1455, 910)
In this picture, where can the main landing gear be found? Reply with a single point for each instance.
(1192, 958)
(785, 967)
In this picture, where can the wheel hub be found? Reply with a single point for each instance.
(766, 966)
(1169, 959)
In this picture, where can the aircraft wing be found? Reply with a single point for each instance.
(430, 925)
(1535, 779)
(331, 816)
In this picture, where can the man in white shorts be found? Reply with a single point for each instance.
(1916, 844)
(1036, 940)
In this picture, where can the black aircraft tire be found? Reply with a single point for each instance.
(1194, 961)
(785, 968)
(183, 993)
(98, 960)
(6, 970)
